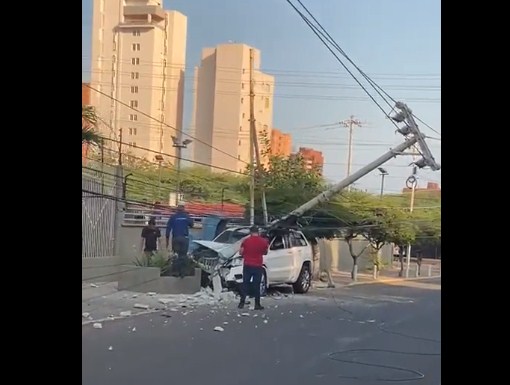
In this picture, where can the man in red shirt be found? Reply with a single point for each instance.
(253, 250)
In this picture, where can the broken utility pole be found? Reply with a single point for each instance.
(412, 136)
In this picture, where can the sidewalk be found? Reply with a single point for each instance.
(343, 278)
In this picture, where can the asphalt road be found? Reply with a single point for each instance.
(345, 336)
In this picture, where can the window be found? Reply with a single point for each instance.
(277, 243)
(134, 103)
(135, 75)
(242, 100)
(134, 89)
(240, 128)
(244, 115)
(242, 86)
(133, 117)
(135, 60)
(239, 141)
(114, 46)
(134, 144)
(268, 88)
(136, 32)
(267, 103)
(297, 240)
(135, 47)
(132, 131)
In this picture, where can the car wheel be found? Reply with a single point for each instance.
(302, 285)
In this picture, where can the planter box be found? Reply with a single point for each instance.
(146, 279)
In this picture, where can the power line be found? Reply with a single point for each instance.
(174, 156)
(167, 125)
(282, 71)
(328, 37)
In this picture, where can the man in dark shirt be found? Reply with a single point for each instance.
(253, 250)
(150, 238)
(178, 225)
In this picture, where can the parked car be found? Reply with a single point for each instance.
(288, 261)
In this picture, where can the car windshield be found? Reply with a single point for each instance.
(231, 236)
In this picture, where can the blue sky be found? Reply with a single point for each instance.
(396, 42)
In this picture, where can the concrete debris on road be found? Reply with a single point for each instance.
(151, 293)
(134, 329)
(218, 329)
(265, 321)
(110, 348)
(141, 306)
(93, 285)
(97, 325)
(85, 315)
(126, 313)
(165, 301)
(245, 314)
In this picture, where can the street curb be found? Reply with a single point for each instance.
(388, 280)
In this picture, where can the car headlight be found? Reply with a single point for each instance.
(236, 262)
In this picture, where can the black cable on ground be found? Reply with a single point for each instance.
(415, 374)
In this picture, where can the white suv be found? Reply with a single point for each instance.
(289, 260)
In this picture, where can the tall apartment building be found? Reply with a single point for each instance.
(222, 106)
(314, 160)
(138, 58)
(281, 143)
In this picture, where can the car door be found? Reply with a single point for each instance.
(298, 246)
(277, 260)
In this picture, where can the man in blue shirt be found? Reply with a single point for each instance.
(178, 225)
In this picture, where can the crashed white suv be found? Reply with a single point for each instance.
(288, 261)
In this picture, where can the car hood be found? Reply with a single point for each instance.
(224, 250)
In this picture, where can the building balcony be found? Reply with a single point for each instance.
(138, 24)
(156, 13)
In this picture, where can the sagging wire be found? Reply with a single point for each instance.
(414, 375)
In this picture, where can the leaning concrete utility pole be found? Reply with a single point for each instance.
(412, 135)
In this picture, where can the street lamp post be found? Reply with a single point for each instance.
(124, 187)
(222, 198)
(159, 159)
(179, 146)
(383, 174)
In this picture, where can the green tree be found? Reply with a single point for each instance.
(287, 184)
(89, 125)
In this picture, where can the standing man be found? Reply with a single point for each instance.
(178, 225)
(150, 239)
(253, 250)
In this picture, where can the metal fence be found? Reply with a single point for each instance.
(98, 214)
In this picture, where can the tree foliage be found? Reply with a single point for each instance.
(287, 184)
(88, 125)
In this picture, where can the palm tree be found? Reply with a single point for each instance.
(88, 126)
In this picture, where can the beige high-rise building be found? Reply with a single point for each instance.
(138, 58)
(222, 107)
